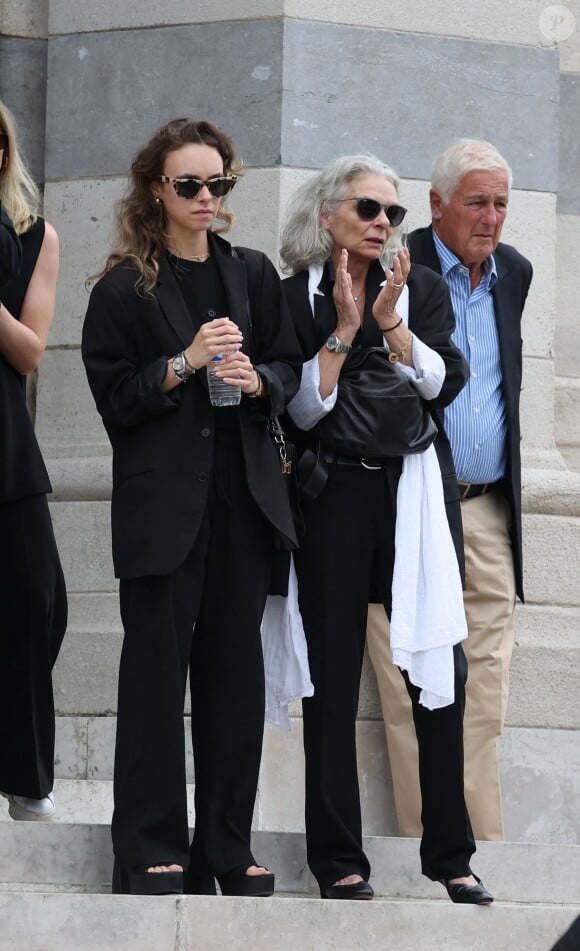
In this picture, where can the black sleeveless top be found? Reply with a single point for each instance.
(22, 469)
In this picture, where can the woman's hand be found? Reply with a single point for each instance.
(384, 308)
(215, 337)
(349, 320)
(237, 369)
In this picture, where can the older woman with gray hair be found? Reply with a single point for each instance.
(340, 227)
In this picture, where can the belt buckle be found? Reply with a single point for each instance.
(466, 490)
(365, 465)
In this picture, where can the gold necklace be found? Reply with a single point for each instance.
(193, 257)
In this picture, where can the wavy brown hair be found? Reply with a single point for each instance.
(140, 220)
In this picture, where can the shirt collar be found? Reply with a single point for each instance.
(449, 260)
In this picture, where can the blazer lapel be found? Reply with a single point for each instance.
(233, 273)
(172, 303)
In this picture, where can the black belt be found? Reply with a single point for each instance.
(339, 460)
(471, 490)
(313, 468)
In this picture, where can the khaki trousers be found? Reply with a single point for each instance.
(489, 601)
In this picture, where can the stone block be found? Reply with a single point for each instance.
(537, 406)
(71, 754)
(551, 563)
(322, 120)
(83, 536)
(67, 422)
(23, 89)
(567, 340)
(540, 775)
(569, 188)
(82, 213)
(122, 65)
(86, 673)
(26, 18)
(108, 15)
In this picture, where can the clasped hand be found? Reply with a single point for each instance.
(223, 336)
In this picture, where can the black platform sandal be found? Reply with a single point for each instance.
(198, 883)
(238, 883)
(138, 881)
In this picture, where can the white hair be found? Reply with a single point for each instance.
(303, 240)
(464, 156)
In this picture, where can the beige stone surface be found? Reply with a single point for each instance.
(567, 340)
(83, 536)
(82, 213)
(27, 18)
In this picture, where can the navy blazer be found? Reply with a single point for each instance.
(162, 442)
(514, 275)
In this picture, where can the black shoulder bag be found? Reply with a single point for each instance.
(378, 412)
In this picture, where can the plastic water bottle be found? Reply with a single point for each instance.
(221, 393)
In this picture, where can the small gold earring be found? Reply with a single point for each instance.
(157, 200)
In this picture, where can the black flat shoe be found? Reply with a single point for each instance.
(237, 882)
(361, 891)
(469, 894)
(138, 881)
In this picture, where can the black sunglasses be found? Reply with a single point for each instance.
(368, 209)
(190, 187)
(4, 140)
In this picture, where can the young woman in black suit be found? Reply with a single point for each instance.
(32, 589)
(198, 504)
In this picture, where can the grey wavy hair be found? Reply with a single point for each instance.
(303, 241)
(465, 155)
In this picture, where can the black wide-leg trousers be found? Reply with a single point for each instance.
(203, 618)
(346, 560)
(33, 618)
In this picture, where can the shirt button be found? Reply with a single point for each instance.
(476, 409)
(474, 375)
(212, 313)
(206, 431)
(202, 477)
(477, 446)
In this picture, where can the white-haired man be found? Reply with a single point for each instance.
(488, 282)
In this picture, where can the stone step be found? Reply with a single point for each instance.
(73, 922)
(80, 855)
(540, 777)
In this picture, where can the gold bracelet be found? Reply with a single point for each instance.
(395, 357)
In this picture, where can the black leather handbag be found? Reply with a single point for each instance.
(378, 412)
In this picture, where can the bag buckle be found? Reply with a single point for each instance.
(367, 465)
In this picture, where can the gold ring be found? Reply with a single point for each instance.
(402, 284)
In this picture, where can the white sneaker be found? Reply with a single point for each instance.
(21, 807)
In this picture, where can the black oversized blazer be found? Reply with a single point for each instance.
(514, 275)
(431, 319)
(162, 443)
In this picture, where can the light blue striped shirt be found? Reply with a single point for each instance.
(475, 421)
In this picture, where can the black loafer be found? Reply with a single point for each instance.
(469, 894)
(357, 890)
